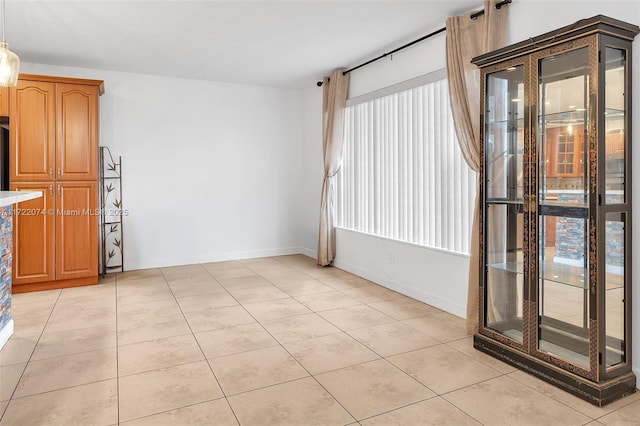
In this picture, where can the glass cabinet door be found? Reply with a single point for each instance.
(504, 183)
(563, 200)
(616, 233)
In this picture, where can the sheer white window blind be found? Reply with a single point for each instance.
(402, 174)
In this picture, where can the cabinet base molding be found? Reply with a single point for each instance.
(52, 285)
(599, 394)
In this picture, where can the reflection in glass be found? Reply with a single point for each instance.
(563, 297)
(505, 272)
(614, 125)
(563, 293)
(563, 120)
(504, 142)
(614, 297)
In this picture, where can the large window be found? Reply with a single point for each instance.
(402, 174)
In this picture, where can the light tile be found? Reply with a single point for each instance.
(67, 371)
(128, 295)
(300, 327)
(174, 273)
(236, 339)
(151, 329)
(29, 326)
(18, 349)
(103, 290)
(354, 317)
(201, 275)
(573, 401)
(256, 369)
(157, 391)
(347, 283)
(156, 354)
(285, 276)
(372, 388)
(301, 288)
(213, 319)
(138, 274)
(441, 326)
(403, 308)
(279, 308)
(91, 404)
(326, 300)
(150, 309)
(329, 353)
(517, 404)
(81, 317)
(10, 375)
(258, 294)
(230, 273)
(222, 265)
(372, 294)
(443, 369)
(301, 402)
(244, 282)
(205, 301)
(30, 310)
(326, 272)
(435, 411)
(183, 289)
(392, 338)
(465, 345)
(35, 297)
(212, 413)
(627, 415)
(55, 344)
(257, 262)
(148, 282)
(68, 306)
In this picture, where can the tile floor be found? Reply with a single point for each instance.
(270, 341)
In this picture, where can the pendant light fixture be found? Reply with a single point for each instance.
(9, 61)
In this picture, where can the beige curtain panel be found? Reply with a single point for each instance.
(467, 38)
(334, 99)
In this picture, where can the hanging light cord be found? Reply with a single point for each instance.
(4, 21)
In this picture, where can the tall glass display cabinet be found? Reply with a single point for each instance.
(555, 241)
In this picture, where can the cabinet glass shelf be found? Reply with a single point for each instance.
(517, 122)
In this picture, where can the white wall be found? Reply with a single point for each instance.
(209, 169)
(433, 276)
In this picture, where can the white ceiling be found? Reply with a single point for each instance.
(273, 43)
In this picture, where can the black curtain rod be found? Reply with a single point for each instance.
(474, 15)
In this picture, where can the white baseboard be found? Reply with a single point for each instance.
(406, 289)
(308, 252)
(215, 257)
(6, 333)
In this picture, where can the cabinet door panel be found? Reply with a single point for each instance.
(4, 101)
(32, 128)
(34, 235)
(77, 132)
(77, 230)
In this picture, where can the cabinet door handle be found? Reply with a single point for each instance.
(59, 172)
(59, 190)
(51, 173)
(50, 189)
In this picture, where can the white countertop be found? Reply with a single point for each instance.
(11, 197)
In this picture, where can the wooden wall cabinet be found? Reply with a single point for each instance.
(4, 101)
(53, 125)
(555, 237)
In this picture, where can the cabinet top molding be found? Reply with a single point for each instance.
(67, 80)
(598, 24)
